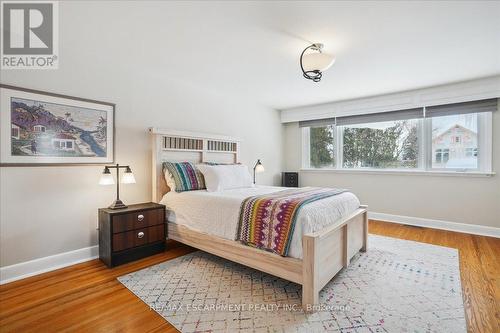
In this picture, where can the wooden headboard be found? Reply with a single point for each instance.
(180, 146)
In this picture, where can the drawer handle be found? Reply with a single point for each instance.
(140, 235)
(140, 217)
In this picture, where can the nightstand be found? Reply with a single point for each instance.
(131, 233)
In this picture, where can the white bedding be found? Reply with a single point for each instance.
(217, 213)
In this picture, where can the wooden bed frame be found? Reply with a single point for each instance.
(325, 252)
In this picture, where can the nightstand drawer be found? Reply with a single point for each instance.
(140, 236)
(156, 233)
(148, 218)
(130, 239)
(137, 220)
(122, 241)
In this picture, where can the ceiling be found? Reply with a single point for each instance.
(250, 50)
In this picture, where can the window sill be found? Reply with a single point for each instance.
(403, 172)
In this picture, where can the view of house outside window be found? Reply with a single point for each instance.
(455, 142)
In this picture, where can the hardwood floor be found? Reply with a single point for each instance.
(88, 298)
(479, 269)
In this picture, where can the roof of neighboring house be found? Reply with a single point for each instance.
(64, 136)
(18, 125)
(452, 127)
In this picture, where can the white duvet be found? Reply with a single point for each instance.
(217, 213)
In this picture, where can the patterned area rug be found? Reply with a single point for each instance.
(397, 286)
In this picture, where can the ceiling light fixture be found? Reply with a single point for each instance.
(313, 64)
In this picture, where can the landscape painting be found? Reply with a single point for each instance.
(45, 130)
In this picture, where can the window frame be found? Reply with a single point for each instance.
(425, 158)
(306, 149)
(484, 146)
(340, 151)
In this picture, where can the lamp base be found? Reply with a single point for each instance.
(118, 204)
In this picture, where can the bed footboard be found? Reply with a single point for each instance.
(327, 251)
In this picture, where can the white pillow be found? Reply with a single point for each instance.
(170, 180)
(225, 177)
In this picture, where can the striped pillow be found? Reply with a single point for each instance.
(186, 176)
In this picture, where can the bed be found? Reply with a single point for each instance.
(328, 232)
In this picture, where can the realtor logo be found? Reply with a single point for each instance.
(29, 35)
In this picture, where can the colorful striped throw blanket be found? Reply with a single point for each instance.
(267, 221)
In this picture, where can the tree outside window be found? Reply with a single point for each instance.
(322, 146)
(381, 145)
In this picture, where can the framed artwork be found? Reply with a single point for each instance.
(41, 128)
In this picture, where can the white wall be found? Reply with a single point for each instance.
(50, 210)
(459, 199)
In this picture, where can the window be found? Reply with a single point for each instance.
(471, 152)
(456, 138)
(14, 132)
(437, 138)
(439, 155)
(442, 156)
(322, 146)
(69, 144)
(392, 145)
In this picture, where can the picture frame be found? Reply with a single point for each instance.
(39, 128)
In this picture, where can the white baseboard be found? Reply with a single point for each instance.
(437, 224)
(46, 264)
